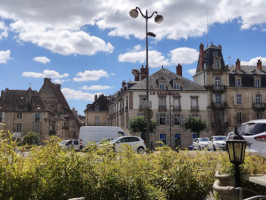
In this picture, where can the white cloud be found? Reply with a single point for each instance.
(93, 75)
(96, 87)
(61, 41)
(45, 74)
(184, 55)
(156, 59)
(4, 56)
(253, 61)
(78, 94)
(60, 81)
(192, 72)
(42, 59)
(3, 30)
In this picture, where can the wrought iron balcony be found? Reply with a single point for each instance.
(259, 105)
(219, 104)
(195, 108)
(162, 107)
(220, 124)
(176, 108)
(220, 88)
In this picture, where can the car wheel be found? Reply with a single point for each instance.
(140, 150)
(214, 149)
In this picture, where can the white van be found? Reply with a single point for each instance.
(88, 134)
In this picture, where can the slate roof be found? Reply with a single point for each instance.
(247, 74)
(101, 101)
(169, 77)
(21, 100)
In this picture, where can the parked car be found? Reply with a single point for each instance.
(136, 143)
(217, 143)
(69, 144)
(254, 132)
(200, 143)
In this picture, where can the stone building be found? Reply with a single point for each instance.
(63, 122)
(173, 99)
(237, 92)
(96, 113)
(45, 112)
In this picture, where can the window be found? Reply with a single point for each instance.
(97, 108)
(19, 127)
(259, 115)
(96, 120)
(218, 116)
(194, 103)
(238, 99)
(217, 81)
(141, 100)
(218, 98)
(161, 85)
(175, 85)
(163, 138)
(258, 99)
(176, 103)
(162, 102)
(176, 119)
(238, 82)
(162, 118)
(37, 117)
(257, 82)
(37, 128)
(2, 116)
(215, 53)
(239, 117)
(19, 115)
(217, 64)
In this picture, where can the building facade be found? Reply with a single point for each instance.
(45, 112)
(237, 92)
(173, 99)
(96, 113)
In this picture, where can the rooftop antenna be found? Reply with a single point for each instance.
(229, 58)
(29, 84)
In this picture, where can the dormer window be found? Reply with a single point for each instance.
(175, 85)
(238, 82)
(97, 108)
(161, 85)
(257, 82)
(217, 64)
(215, 53)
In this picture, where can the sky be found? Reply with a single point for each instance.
(91, 46)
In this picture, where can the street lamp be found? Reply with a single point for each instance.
(236, 146)
(158, 19)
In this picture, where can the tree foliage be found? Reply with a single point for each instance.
(139, 124)
(31, 138)
(195, 124)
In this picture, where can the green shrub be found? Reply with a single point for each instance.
(31, 138)
(52, 173)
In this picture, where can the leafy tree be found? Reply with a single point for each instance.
(140, 124)
(31, 138)
(195, 124)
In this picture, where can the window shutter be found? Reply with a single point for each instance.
(3, 117)
(254, 98)
(158, 118)
(33, 117)
(223, 98)
(167, 119)
(214, 99)
(40, 116)
(235, 99)
(182, 120)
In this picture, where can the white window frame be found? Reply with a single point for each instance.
(218, 98)
(217, 81)
(175, 85)
(19, 128)
(239, 99)
(217, 64)
(162, 119)
(258, 99)
(162, 85)
(176, 103)
(257, 82)
(238, 82)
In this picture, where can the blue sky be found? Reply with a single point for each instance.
(91, 46)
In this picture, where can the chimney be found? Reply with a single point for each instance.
(95, 97)
(259, 65)
(220, 46)
(201, 57)
(142, 73)
(47, 80)
(58, 86)
(123, 83)
(179, 70)
(238, 64)
(135, 72)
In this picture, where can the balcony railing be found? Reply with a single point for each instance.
(259, 105)
(219, 104)
(220, 88)
(195, 108)
(162, 107)
(37, 119)
(220, 124)
(176, 108)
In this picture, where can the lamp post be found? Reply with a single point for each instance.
(158, 19)
(236, 146)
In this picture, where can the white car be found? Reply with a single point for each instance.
(136, 143)
(254, 132)
(217, 143)
(69, 144)
(200, 143)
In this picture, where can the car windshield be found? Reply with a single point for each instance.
(219, 138)
(203, 139)
(64, 142)
(115, 139)
(251, 129)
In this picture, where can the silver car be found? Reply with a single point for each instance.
(217, 143)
